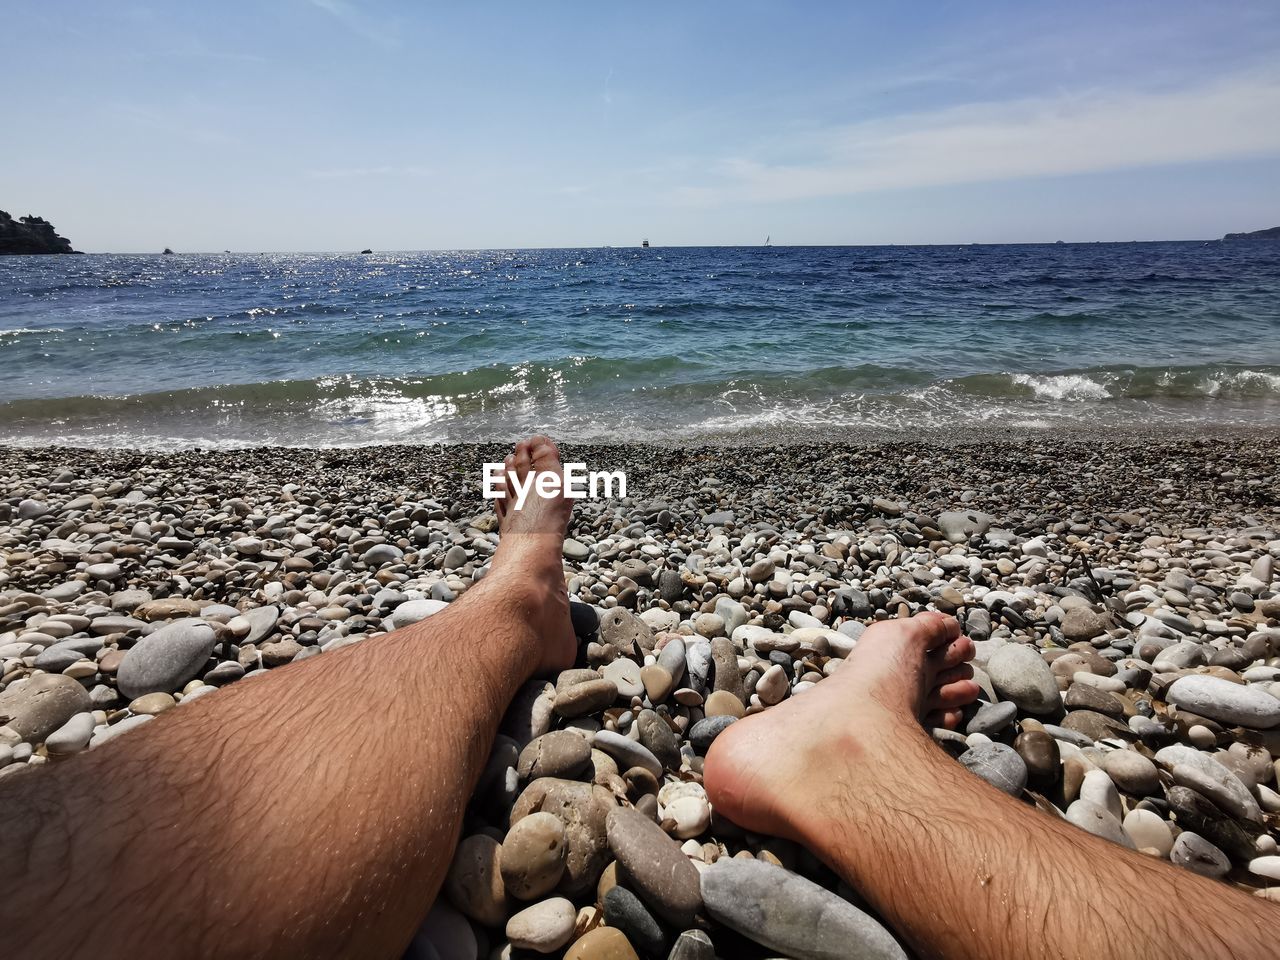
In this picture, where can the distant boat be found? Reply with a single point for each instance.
(766, 240)
(366, 251)
(167, 252)
(644, 243)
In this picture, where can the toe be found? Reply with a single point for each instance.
(950, 696)
(963, 671)
(958, 651)
(947, 719)
(543, 451)
(504, 491)
(521, 459)
(933, 630)
(924, 631)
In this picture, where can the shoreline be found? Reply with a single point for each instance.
(354, 414)
(946, 436)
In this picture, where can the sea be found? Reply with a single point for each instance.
(656, 344)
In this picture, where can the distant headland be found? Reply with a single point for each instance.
(1271, 233)
(30, 235)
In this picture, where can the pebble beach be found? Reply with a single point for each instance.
(1121, 588)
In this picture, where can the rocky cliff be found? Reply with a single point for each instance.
(30, 235)
(1271, 233)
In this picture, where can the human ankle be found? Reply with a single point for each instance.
(531, 555)
(535, 606)
(854, 760)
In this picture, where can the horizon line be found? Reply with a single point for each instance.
(669, 246)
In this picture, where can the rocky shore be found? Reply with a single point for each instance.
(1121, 588)
(28, 235)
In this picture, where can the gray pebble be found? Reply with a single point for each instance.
(792, 915)
(166, 659)
(1198, 855)
(991, 718)
(999, 765)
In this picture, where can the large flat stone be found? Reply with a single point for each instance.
(792, 915)
(166, 659)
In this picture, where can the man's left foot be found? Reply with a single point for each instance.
(529, 561)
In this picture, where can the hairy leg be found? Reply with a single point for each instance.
(309, 812)
(958, 868)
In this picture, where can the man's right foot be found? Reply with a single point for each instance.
(764, 772)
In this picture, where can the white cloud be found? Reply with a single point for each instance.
(1082, 132)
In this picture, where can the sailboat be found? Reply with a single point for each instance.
(766, 240)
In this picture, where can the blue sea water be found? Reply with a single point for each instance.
(320, 349)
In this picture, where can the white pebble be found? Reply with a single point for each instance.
(1268, 867)
(1098, 788)
(1201, 736)
(1148, 831)
(1268, 799)
(691, 816)
(772, 687)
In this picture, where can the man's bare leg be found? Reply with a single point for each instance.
(306, 813)
(958, 868)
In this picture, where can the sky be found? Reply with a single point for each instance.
(344, 124)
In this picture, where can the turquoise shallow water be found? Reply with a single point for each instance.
(683, 342)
